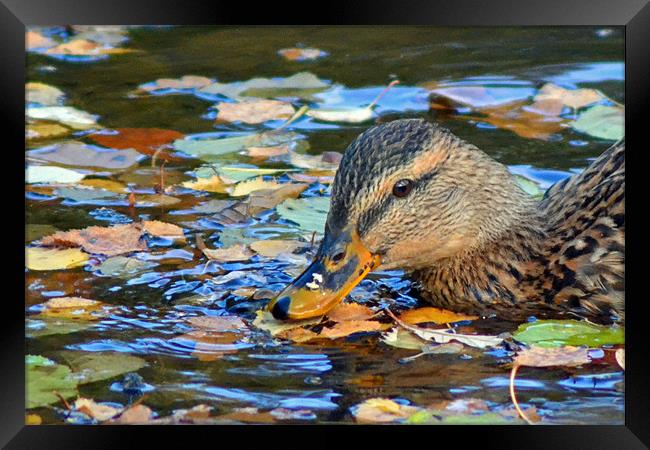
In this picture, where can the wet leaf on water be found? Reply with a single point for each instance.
(302, 85)
(214, 206)
(138, 414)
(109, 185)
(552, 356)
(350, 311)
(444, 336)
(156, 200)
(327, 161)
(109, 241)
(44, 377)
(382, 410)
(267, 152)
(96, 366)
(247, 415)
(73, 153)
(45, 130)
(308, 213)
(97, 411)
(43, 94)
(604, 122)
(40, 326)
(301, 54)
(265, 199)
(77, 308)
(298, 335)
(185, 82)
(122, 266)
(265, 321)
(240, 172)
(253, 111)
(273, 247)
(314, 176)
(163, 229)
(144, 140)
(85, 193)
(436, 315)
(401, 338)
(67, 115)
(245, 187)
(217, 323)
(212, 149)
(348, 327)
(556, 333)
(84, 47)
(210, 345)
(51, 175)
(237, 252)
(35, 40)
(213, 184)
(573, 98)
(38, 258)
(35, 231)
(342, 115)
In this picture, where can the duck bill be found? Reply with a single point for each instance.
(327, 281)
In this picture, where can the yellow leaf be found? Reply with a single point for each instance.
(382, 410)
(74, 308)
(101, 183)
(254, 111)
(212, 184)
(39, 258)
(271, 248)
(265, 321)
(574, 98)
(45, 130)
(436, 315)
(163, 229)
(238, 252)
(246, 187)
(33, 419)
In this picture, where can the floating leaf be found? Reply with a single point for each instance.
(43, 94)
(35, 40)
(137, 414)
(302, 54)
(265, 199)
(267, 152)
(212, 184)
(44, 377)
(95, 410)
(109, 185)
(51, 175)
(73, 308)
(38, 258)
(35, 231)
(326, 161)
(350, 311)
(556, 333)
(237, 252)
(436, 315)
(573, 98)
(109, 241)
(73, 153)
(212, 149)
(83, 47)
(162, 229)
(401, 338)
(382, 410)
(348, 327)
(217, 323)
(33, 419)
(480, 96)
(254, 111)
(122, 266)
(309, 213)
(91, 367)
(302, 84)
(85, 194)
(185, 82)
(244, 188)
(44, 130)
(271, 248)
(604, 122)
(67, 115)
(265, 321)
(343, 115)
(40, 326)
(554, 356)
(144, 140)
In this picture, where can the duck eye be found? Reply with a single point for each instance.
(338, 257)
(402, 188)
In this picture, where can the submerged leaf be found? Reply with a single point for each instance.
(91, 367)
(44, 377)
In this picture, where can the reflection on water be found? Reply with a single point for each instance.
(252, 369)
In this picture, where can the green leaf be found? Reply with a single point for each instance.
(211, 149)
(481, 419)
(529, 187)
(309, 213)
(556, 333)
(44, 377)
(236, 173)
(302, 84)
(605, 122)
(91, 367)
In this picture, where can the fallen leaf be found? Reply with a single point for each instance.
(33, 419)
(44, 377)
(73, 153)
(97, 366)
(273, 247)
(303, 85)
(573, 98)
(217, 323)
(40, 326)
(343, 115)
(348, 327)
(478, 96)
(34, 231)
(556, 356)
(350, 311)
(109, 241)
(213, 149)
(604, 122)
(265, 321)
(436, 315)
(35, 40)
(67, 115)
(211, 345)
(301, 54)
(314, 176)
(444, 336)
(244, 188)
(318, 162)
(43, 94)
(212, 184)
(185, 82)
(254, 111)
(74, 308)
(557, 333)
(238, 252)
(38, 258)
(51, 175)
(162, 229)
(308, 213)
(122, 266)
(298, 335)
(145, 140)
(401, 338)
(382, 410)
(264, 199)
(95, 410)
(247, 415)
(138, 414)
(85, 194)
(267, 152)
(83, 47)
(109, 185)
(155, 200)
(44, 130)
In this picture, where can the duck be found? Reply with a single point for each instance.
(411, 195)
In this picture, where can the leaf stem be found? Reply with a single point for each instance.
(513, 373)
(382, 93)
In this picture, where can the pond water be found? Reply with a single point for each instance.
(323, 380)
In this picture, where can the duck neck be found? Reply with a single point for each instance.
(496, 275)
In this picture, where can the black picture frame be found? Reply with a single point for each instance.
(634, 15)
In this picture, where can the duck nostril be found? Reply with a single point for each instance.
(337, 257)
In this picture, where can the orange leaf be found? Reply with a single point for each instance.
(109, 241)
(350, 311)
(144, 140)
(430, 314)
(163, 229)
(349, 327)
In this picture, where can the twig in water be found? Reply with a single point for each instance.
(381, 94)
(513, 373)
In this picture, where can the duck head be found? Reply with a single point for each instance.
(408, 194)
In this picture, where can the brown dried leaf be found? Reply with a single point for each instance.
(35, 40)
(163, 229)
(248, 415)
(382, 410)
(213, 184)
(109, 241)
(271, 248)
(574, 98)
(211, 345)
(238, 252)
(267, 152)
(436, 315)
(74, 308)
(185, 82)
(265, 199)
(144, 140)
(95, 410)
(138, 414)
(350, 311)
(348, 327)
(254, 111)
(298, 335)
(217, 323)
(552, 356)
